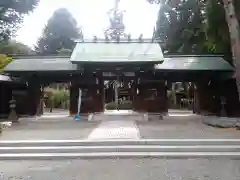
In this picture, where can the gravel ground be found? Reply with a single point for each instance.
(122, 169)
(183, 127)
(62, 128)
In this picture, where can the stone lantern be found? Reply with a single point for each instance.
(13, 114)
(223, 103)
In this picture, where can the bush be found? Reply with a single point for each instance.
(57, 98)
(124, 105)
(4, 60)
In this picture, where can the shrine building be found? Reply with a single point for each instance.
(139, 66)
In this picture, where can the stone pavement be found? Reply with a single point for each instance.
(179, 124)
(115, 130)
(49, 128)
(184, 127)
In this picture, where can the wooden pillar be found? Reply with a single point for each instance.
(134, 96)
(92, 96)
(74, 92)
(5, 97)
(34, 95)
(109, 94)
(151, 97)
(155, 98)
(161, 99)
(205, 98)
(138, 97)
(228, 90)
(101, 93)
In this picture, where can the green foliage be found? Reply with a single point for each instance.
(4, 60)
(59, 33)
(123, 105)
(14, 48)
(11, 13)
(194, 27)
(218, 40)
(57, 98)
(182, 29)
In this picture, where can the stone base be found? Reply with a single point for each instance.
(155, 116)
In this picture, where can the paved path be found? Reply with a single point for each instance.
(115, 130)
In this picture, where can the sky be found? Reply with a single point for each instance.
(91, 15)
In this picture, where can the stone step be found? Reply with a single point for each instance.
(51, 156)
(118, 142)
(115, 149)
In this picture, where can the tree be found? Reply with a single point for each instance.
(182, 29)
(223, 17)
(233, 26)
(193, 26)
(59, 33)
(14, 48)
(11, 13)
(218, 39)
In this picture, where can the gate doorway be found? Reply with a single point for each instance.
(56, 99)
(180, 95)
(118, 93)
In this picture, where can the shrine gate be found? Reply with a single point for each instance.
(139, 64)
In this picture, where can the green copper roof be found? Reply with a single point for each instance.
(170, 63)
(40, 64)
(195, 63)
(116, 52)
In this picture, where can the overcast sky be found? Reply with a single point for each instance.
(91, 15)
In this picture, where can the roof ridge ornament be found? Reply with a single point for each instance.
(140, 38)
(95, 39)
(125, 40)
(106, 37)
(129, 37)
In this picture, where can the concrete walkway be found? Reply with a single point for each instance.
(115, 130)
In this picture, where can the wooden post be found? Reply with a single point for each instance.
(73, 99)
(34, 94)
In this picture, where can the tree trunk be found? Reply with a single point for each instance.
(233, 26)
